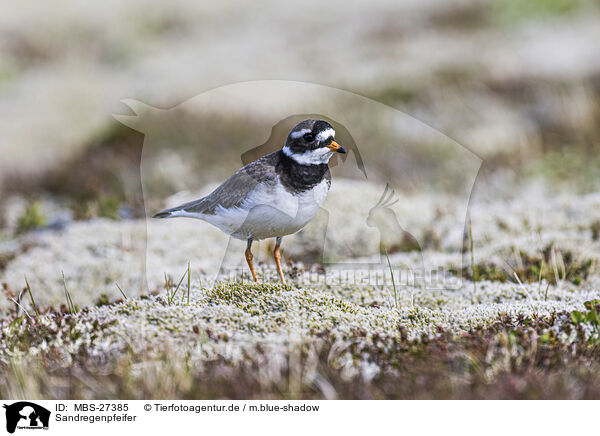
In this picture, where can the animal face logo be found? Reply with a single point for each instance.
(26, 415)
(381, 212)
(392, 236)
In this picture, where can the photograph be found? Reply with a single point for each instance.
(233, 215)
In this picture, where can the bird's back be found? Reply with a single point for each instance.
(233, 191)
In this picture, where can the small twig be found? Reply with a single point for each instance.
(540, 277)
(18, 300)
(22, 308)
(522, 287)
(555, 267)
(37, 312)
(393, 281)
(70, 305)
(121, 290)
(473, 270)
(189, 284)
(167, 286)
(174, 293)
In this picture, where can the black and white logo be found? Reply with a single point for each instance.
(26, 415)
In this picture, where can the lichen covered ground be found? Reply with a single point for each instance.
(514, 84)
(319, 338)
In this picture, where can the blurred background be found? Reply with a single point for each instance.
(515, 82)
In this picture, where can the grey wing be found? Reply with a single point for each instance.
(233, 191)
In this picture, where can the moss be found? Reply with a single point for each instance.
(514, 11)
(530, 268)
(106, 206)
(485, 271)
(394, 95)
(589, 317)
(5, 259)
(103, 300)
(485, 362)
(96, 181)
(327, 304)
(253, 298)
(31, 219)
(406, 244)
(595, 229)
(576, 166)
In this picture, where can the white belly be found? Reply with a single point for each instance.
(270, 211)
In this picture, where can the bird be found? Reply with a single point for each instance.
(274, 196)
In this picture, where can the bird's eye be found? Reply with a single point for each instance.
(309, 137)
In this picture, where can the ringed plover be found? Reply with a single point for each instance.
(274, 196)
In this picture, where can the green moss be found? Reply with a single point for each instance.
(253, 298)
(515, 11)
(328, 303)
(395, 94)
(530, 350)
(484, 271)
(485, 362)
(108, 206)
(548, 265)
(103, 300)
(575, 166)
(590, 317)
(105, 205)
(595, 229)
(32, 218)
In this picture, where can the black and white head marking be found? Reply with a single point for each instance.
(308, 143)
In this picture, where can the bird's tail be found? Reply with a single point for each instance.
(164, 214)
(191, 209)
(171, 213)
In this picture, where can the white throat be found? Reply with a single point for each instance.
(317, 156)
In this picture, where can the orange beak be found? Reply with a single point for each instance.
(336, 147)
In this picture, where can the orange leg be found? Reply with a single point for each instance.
(277, 257)
(249, 257)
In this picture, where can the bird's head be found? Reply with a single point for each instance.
(311, 143)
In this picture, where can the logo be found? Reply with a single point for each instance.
(26, 415)
(383, 221)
